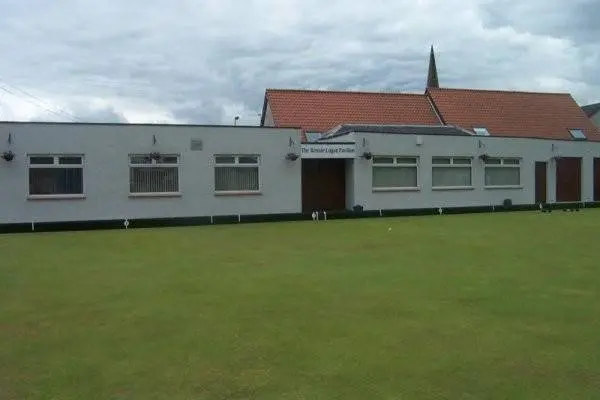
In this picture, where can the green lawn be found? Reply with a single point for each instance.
(488, 306)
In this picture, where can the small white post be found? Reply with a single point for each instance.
(32, 226)
(239, 218)
(211, 219)
(380, 213)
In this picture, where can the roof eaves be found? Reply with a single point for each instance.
(403, 129)
(145, 124)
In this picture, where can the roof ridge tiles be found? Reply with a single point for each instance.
(342, 91)
(500, 91)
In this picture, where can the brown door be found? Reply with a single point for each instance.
(541, 187)
(568, 179)
(596, 179)
(323, 185)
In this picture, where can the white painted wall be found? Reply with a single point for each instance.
(106, 175)
(268, 116)
(350, 183)
(530, 150)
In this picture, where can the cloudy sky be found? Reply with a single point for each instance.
(205, 61)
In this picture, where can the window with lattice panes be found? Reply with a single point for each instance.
(237, 173)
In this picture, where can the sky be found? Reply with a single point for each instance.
(207, 61)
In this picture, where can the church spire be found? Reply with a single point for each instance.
(432, 76)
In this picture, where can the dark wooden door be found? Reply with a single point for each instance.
(568, 179)
(323, 185)
(541, 184)
(596, 179)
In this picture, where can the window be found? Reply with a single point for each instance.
(451, 172)
(395, 173)
(55, 176)
(481, 131)
(236, 173)
(153, 174)
(577, 134)
(502, 172)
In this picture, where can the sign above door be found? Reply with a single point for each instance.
(328, 150)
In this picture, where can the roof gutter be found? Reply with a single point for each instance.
(434, 108)
(264, 111)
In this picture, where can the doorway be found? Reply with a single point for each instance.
(568, 179)
(596, 179)
(323, 185)
(541, 183)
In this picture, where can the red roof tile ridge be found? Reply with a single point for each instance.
(500, 91)
(341, 91)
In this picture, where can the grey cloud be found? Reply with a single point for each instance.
(576, 20)
(103, 114)
(209, 112)
(204, 61)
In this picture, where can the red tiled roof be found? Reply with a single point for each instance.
(516, 114)
(320, 110)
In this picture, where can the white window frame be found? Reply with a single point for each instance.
(56, 164)
(452, 164)
(397, 162)
(501, 162)
(154, 164)
(577, 134)
(236, 164)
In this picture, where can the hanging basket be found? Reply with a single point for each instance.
(8, 155)
(291, 156)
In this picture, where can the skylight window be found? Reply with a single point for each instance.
(481, 131)
(313, 136)
(577, 134)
